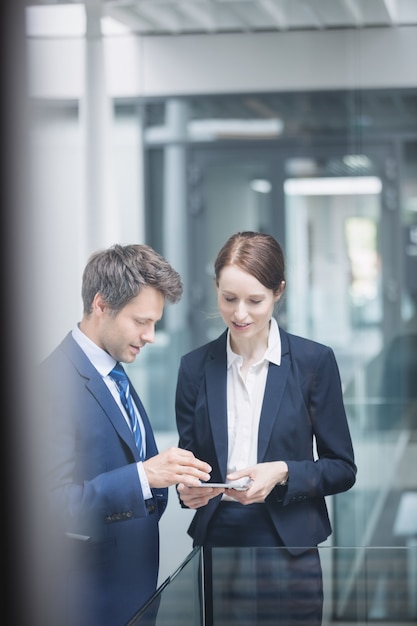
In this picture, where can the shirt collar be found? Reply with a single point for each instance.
(101, 360)
(272, 353)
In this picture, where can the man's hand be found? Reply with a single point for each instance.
(175, 465)
(195, 497)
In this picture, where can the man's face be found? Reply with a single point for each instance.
(123, 335)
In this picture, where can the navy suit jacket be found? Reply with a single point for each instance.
(108, 533)
(303, 400)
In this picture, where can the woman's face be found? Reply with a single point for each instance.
(245, 305)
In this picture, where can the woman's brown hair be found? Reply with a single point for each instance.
(258, 254)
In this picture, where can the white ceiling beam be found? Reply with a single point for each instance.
(200, 12)
(317, 22)
(208, 16)
(128, 17)
(352, 8)
(161, 14)
(276, 12)
(143, 15)
(392, 11)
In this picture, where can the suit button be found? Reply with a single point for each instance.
(151, 508)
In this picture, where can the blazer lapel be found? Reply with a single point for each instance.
(97, 387)
(274, 391)
(216, 384)
(103, 396)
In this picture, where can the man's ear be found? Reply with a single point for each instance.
(99, 305)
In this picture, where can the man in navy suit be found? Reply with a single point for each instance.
(106, 498)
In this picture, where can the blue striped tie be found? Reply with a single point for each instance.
(119, 376)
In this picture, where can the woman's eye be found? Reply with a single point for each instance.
(231, 299)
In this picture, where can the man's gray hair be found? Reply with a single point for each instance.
(119, 273)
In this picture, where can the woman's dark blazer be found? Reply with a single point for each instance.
(303, 402)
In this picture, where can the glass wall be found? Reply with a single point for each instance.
(343, 202)
(341, 198)
(228, 590)
(331, 172)
(332, 178)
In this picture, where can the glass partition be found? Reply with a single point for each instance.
(178, 601)
(232, 586)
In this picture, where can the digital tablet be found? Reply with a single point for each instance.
(225, 486)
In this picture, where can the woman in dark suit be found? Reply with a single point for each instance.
(264, 408)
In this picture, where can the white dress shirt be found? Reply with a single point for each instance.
(244, 401)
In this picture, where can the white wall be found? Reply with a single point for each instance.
(58, 203)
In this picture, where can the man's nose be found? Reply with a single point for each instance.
(148, 334)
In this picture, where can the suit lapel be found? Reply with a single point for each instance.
(274, 391)
(216, 385)
(98, 388)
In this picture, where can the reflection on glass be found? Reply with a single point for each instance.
(361, 586)
(334, 266)
(361, 242)
(235, 196)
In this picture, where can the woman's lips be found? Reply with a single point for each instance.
(240, 326)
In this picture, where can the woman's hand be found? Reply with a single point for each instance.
(264, 477)
(195, 497)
